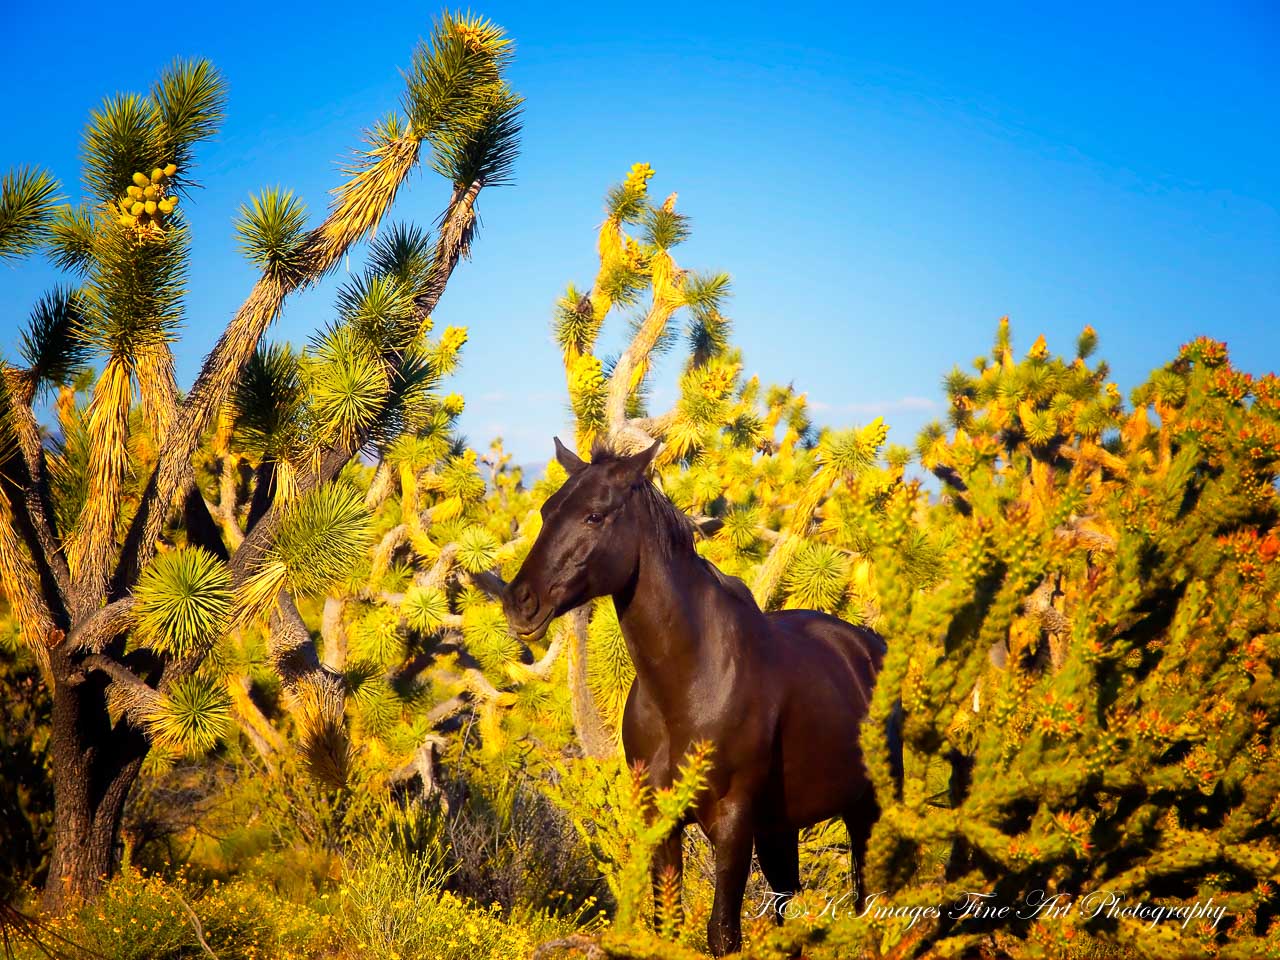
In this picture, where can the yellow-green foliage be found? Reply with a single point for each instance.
(143, 917)
(1103, 648)
(395, 905)
(622, 819)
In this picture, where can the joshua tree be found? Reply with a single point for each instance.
(787, 508)
(121, 578)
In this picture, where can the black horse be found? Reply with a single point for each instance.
(780, 696)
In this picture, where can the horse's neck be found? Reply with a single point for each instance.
(673, 620)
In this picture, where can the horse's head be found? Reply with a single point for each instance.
(589, 543)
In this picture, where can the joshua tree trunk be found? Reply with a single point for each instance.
(593, 735)
(94, 766)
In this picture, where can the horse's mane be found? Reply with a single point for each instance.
(675, 530)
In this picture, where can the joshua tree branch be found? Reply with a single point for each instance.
(322, 250)
(633, 359)
(489, 582)
(102, 626)
(132, 693)
(452, 245)
(32, 508)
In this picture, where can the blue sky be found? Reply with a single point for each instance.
(882, 185)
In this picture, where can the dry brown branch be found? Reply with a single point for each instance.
(127, 689)
(578, 942)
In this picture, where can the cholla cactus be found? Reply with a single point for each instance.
(125, 606)
(1099, 663)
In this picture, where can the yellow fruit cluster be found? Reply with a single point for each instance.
(587, 375)
(638, 176)
(146, 201)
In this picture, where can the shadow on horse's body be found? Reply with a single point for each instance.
(780, 696)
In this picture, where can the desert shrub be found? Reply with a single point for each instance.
(508, 844)
(26, 789)
(394, 901)
(140, 916)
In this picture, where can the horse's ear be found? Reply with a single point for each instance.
(571, 462)
(638, 463)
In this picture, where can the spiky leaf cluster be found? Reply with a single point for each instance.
(183, 602)
(28, 201)
(192, 717)
(322, 537)
(272, 231)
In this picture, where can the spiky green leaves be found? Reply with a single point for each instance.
(424, 610)
(265, 401)
(477, 550)
(192, 717)
(51, 344)
(71, 238)
(376, 636)
(460, 478)
(818, 578)
(190, 98)
(664, 228)
(183, 602)
(381, 308)
(626, 201)
(403, 251)
(1086, 343)
(587, 391)
(458, 101)
(323, 537)
(610, 671)
(131, 132)
(488, 636)
(28, 198)
(272, 229)
(575, 323)
(704, 294)
(134, 288)
(850, 452)
(347, 384)
(486, 157)
(741, 527)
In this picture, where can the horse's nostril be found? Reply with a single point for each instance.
(523, 599)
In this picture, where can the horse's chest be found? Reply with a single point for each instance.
(660, 732)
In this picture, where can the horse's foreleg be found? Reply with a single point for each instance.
(668, 869)
(779, 853)
(731, 837)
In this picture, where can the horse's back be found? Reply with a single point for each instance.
(861, 649)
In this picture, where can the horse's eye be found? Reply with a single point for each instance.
(594, 518)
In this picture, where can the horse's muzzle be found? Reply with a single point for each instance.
(526, 614)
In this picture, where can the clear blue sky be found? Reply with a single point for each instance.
(881, 185)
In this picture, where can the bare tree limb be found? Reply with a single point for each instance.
(31, 505)
(489, 582)
(130, 691)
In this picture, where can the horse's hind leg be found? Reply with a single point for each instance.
(860, 818)
(779, 853)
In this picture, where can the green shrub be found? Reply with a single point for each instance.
(394, 905)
